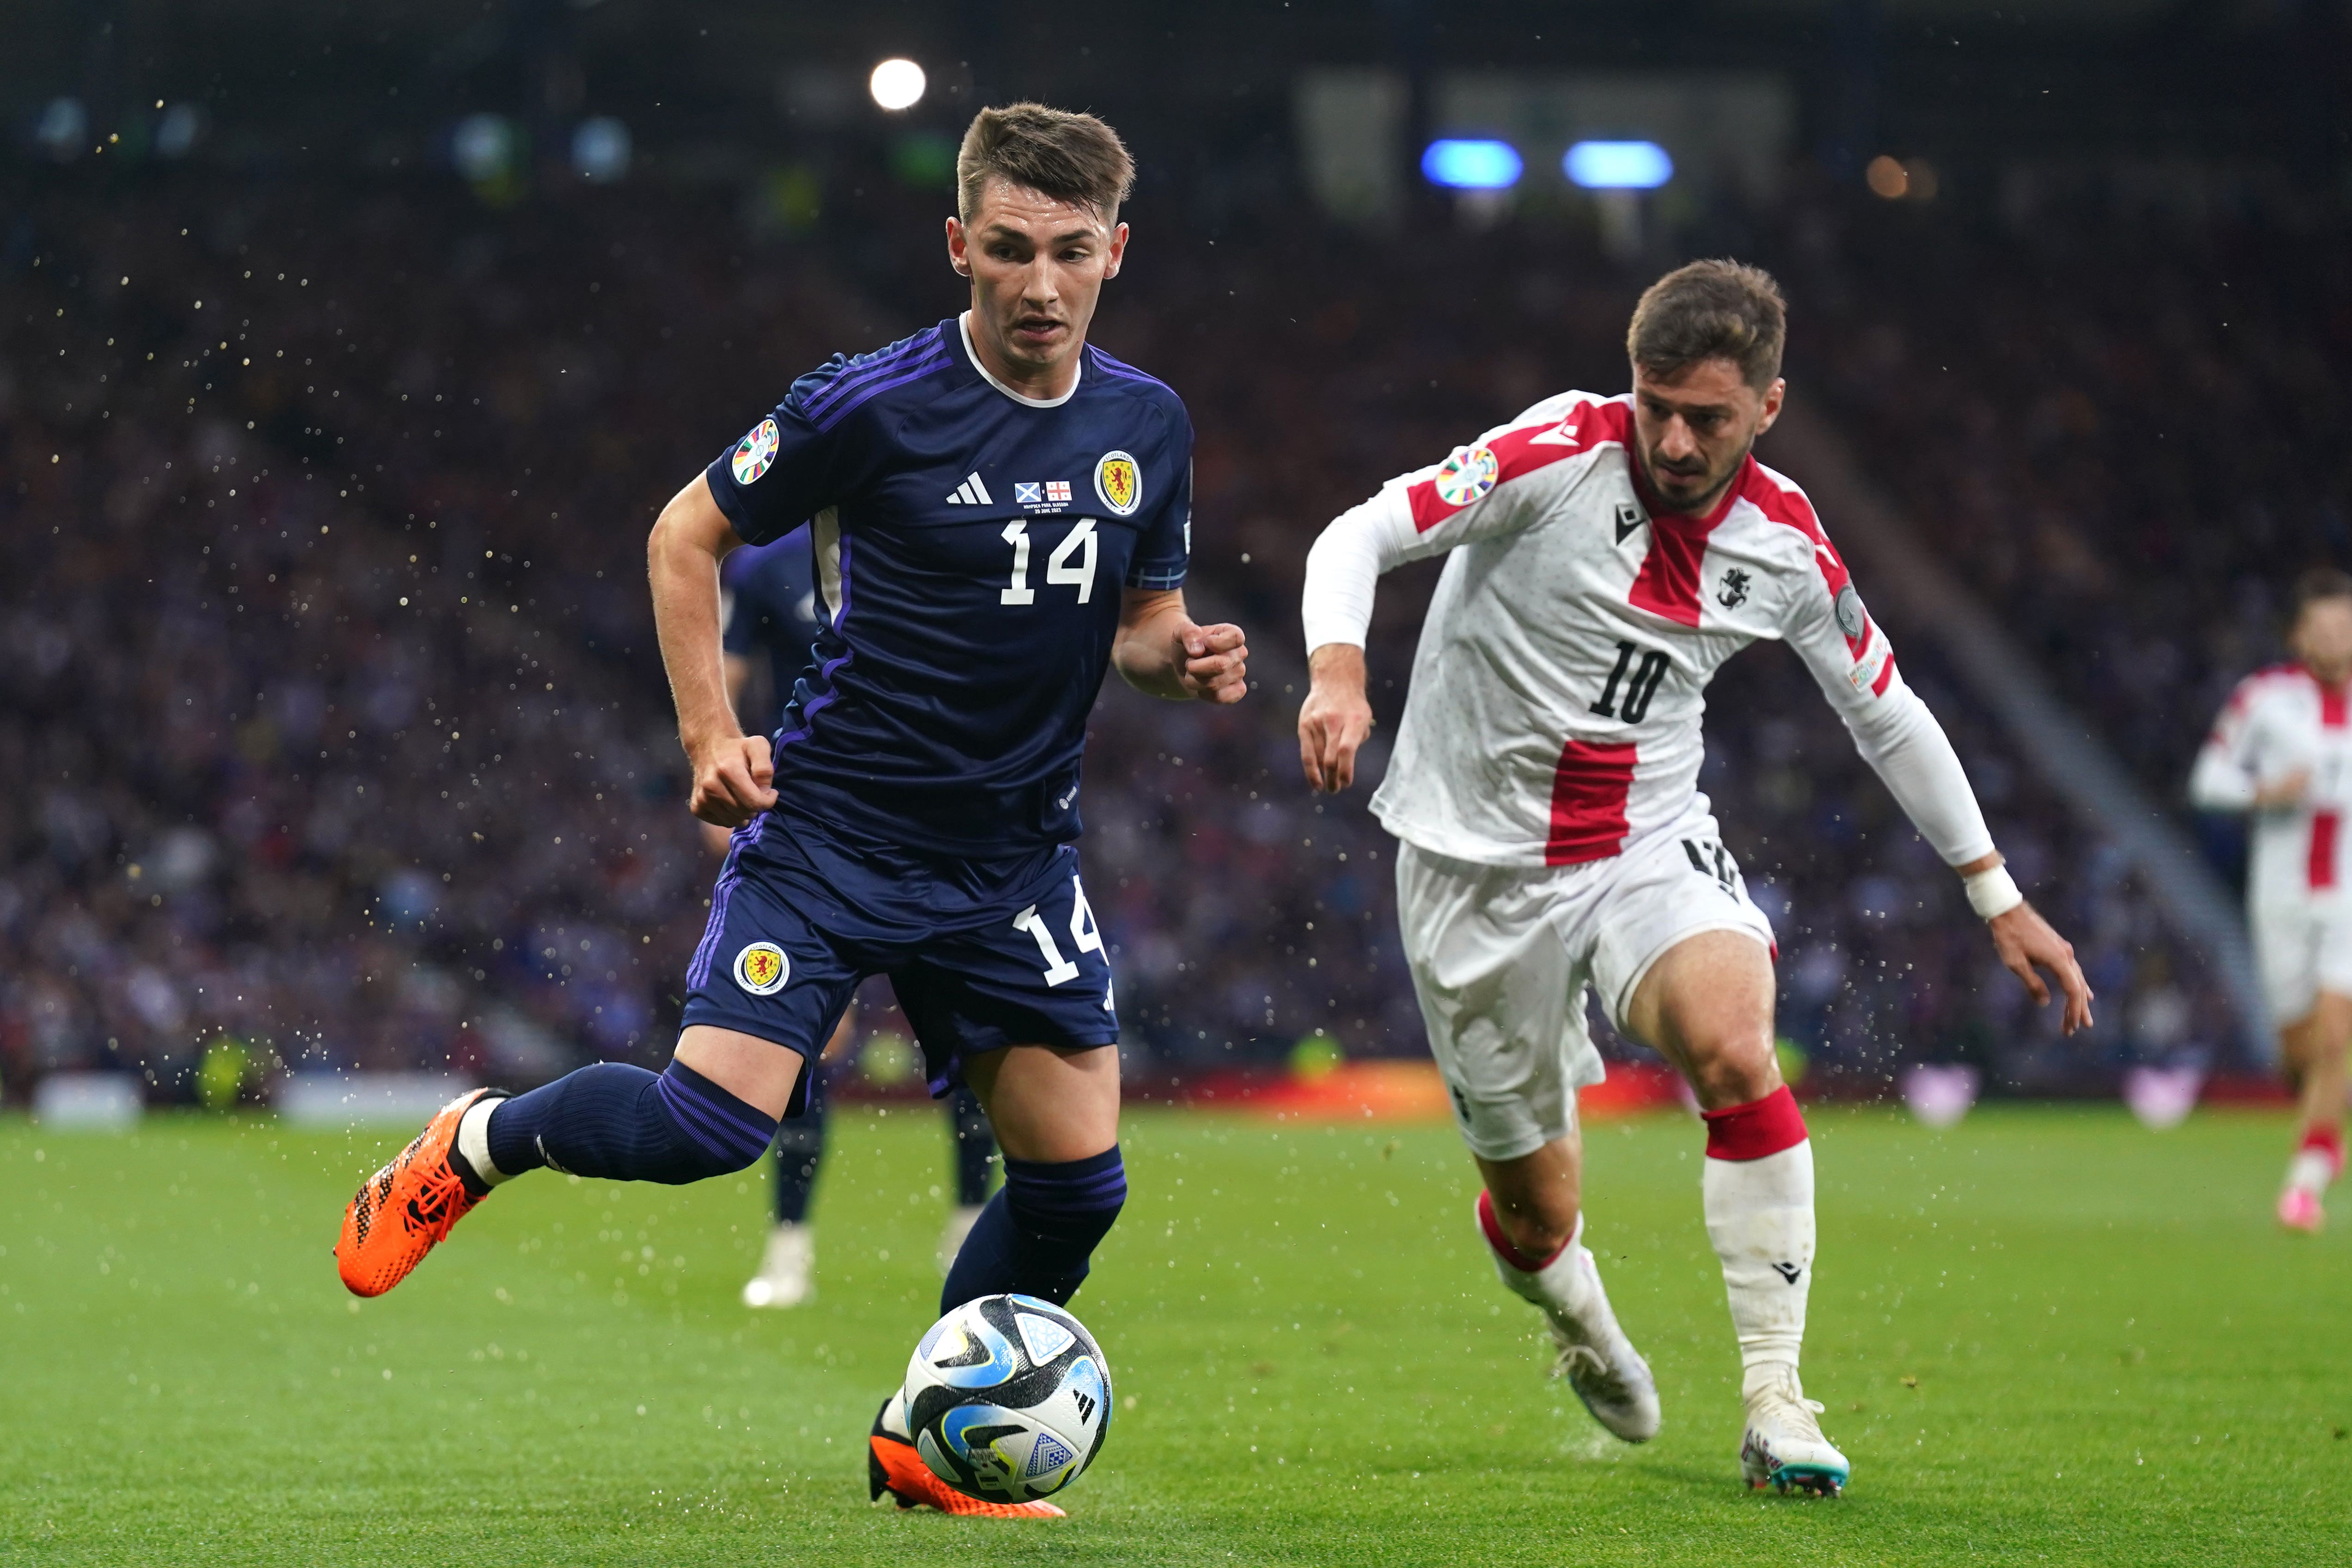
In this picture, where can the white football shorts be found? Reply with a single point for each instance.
(2302, 946)
(1501, 956)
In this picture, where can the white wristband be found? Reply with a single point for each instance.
(1992, 892)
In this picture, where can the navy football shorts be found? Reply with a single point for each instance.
(982, 953)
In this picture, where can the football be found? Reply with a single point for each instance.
(1008, 1398)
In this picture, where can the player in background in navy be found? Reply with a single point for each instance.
(767, 607)
(1001, 512)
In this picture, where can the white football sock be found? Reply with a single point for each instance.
(1759, 1214)
(1564, 1284)
(473, 1139)
(2313, 1170)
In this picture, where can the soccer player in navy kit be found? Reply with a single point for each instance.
(1000, 511)
(769, 616)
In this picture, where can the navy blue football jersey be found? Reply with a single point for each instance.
(970, 545)
(771, 614)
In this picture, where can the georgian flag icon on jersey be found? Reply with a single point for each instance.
(972, 492)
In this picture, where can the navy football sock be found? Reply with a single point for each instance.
(800, 1148)
(975, 1147)
(622, 1122)
(1037, 1235)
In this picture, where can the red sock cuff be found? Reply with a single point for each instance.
(1502, 1244)
(2327, 1140)
(1754, 1130)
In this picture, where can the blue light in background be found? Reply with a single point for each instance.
(601, 147)
(1618, 166)
(484, 147)
(1472, 165)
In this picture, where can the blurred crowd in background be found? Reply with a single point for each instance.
(336, 726)
(2122, 429)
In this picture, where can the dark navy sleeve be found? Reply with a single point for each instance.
(781, 473)
(1165, 550)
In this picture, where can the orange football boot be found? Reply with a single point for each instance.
(403, 1210)
(892, 1465)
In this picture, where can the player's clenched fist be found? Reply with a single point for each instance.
(1216, 663)
(731, 780)
(1335, 718)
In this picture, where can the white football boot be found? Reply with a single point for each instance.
(784, 1278)
(960, 1219)
(1598, 1362)
(1784, 1445)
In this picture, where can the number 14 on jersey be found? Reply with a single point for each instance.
(1080, 541)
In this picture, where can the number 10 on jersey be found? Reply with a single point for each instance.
(1645, 684)
(1080, 541)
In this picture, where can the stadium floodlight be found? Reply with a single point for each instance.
(1463, 163)
(1618, 166)
(897, 84)
(601, 147)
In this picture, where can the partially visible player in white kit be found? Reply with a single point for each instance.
(1608, 554)
(2281, 751)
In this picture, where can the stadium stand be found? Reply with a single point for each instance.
(342, 494)
(2133, 476)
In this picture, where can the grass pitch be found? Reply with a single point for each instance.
(2046, 1335)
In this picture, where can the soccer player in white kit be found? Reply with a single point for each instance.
(1608, 554)
(2281, 752)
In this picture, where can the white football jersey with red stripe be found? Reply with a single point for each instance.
(2277, 723)
(1556, 693)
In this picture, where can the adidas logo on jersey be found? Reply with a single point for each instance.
(972, 492)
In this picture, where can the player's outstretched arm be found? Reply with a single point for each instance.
(1851, 660)
(1336, 717)
(732, 770)
(1159, 650)
(1909, 750)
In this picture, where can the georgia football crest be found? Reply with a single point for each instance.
(1851, 618)
(762, 969)
(756, 453)
(1466, 476)
(1119, 483)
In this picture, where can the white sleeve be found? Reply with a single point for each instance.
(1900, 739)
(1345, 566)
(1507, 480)
(2224, 778)
(1851, 659)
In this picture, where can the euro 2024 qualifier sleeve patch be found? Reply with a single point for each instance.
(1119, 482)
(756, 452)
(763, 969)
(1466, 476)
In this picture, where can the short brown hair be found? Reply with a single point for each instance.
(2316, 583)
(1710, 310)
(1071, 157)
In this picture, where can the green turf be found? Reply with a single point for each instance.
(2045, 1336)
